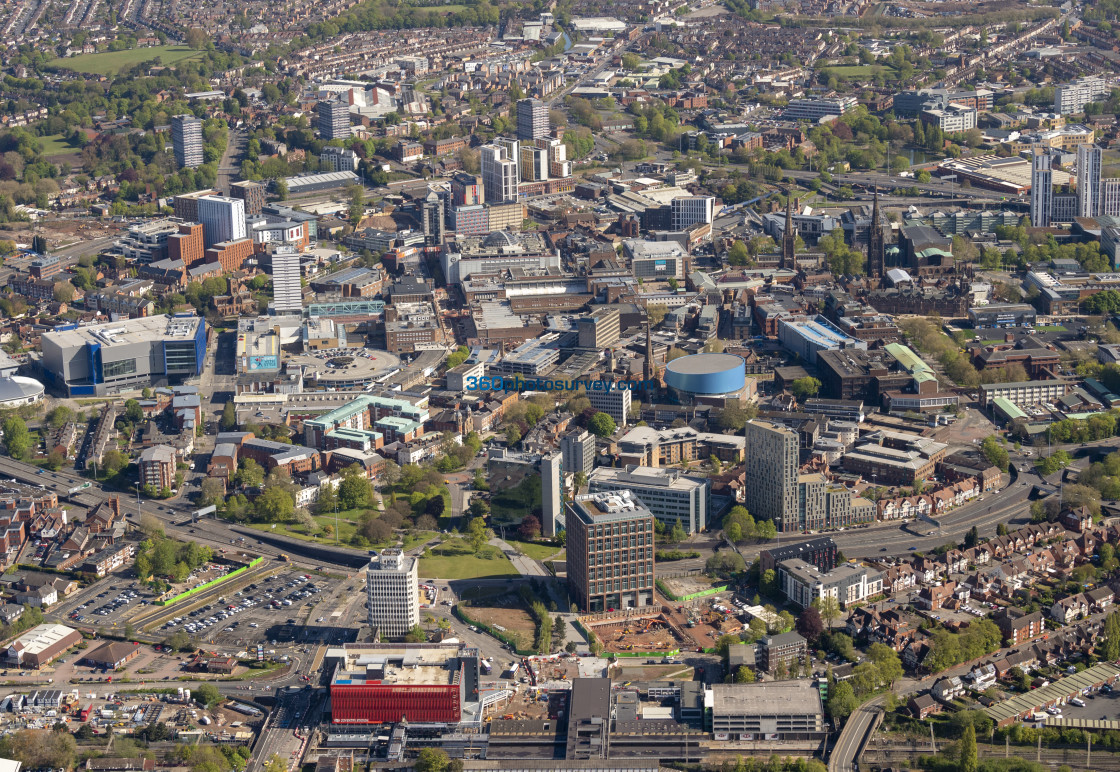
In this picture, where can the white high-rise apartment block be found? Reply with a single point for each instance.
(186, 140)
(1042, 189)
(287, 292)
(392, 592)
(222, 218)
(499, 174)
(1072, 97)
(691, 210)
(1089, 158)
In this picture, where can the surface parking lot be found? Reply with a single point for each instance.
(110, 605)
(249, 613)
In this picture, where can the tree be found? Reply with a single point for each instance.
(829, 609)
(744, 675)
(842, 700)
(229, 417)
(16, 438)
(197, 38)
(213, 492)
(476, 533)
(530, 528)
(886, 660)
(275, 505)
(249, 473)
(355, 490)
(40, 748)
(64, 292)
(737, 255)
(275, 764)
(810, 624)
(150, 526)
(804, 388)
(416, 635)
(968, 761)
(1111, 650)
(602, 425)
(431, 760)
(133, 412)
(207, 694)
(677, 533)
(995, 453)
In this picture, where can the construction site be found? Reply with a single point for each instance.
(653, 635)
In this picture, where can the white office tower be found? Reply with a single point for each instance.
(692, 210)
(499, 174)
(534, 163)
(222, 218)
(287, 293)
(392, 593)
(532, 119)
(1089, 159)
(186, 139)
(1042, 189)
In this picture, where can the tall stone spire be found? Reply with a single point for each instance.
(647, 366)
(876, 249)
(789, 258)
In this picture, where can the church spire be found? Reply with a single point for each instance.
(789, 258)
(876, 248)
(647, 367)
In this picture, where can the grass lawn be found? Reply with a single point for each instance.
(454, 559)
(534, 550)
(345, 529)
(111, 62)
(991, 342)
(1051, 328)
(56, 145)
(857, 70)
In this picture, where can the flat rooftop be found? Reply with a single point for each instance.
(780, 698)
(425, 664)
(128, 331)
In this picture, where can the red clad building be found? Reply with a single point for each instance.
(388, 683)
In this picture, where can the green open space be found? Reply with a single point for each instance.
(534, 550)
(112, 62)
(1051, 328)
(454, 559)
(56, 145)
(857, 70)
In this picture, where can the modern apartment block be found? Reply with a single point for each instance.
(186, 140)
(532, 119)
(803, 582)
(252, 193)
(771, 473)
(1089, 160)
(671, 496)
(499, 173)
(692, 210)
(392, 592)
(610, 551)
(1042, 189)
(222, 218)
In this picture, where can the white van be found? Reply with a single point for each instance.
(1078, 702)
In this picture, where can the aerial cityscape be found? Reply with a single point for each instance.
(704, 386)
